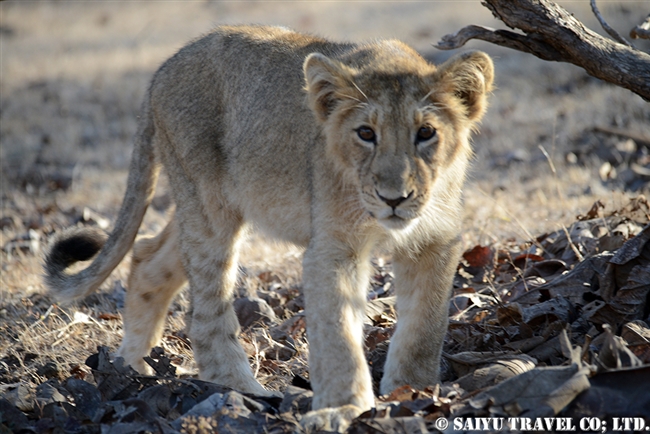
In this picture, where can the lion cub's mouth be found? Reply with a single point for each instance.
(396, 218)
(395, 222)
(398, 215)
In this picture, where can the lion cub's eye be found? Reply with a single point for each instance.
(425, 133)
(366, 134)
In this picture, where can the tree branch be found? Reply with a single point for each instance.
(505, 38)
(610, 30)
(642, 31)
(552, 33)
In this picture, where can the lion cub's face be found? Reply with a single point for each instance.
(395, 123)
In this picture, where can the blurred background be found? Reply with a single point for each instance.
(73, 74)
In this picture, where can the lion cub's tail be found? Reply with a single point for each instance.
(81, 244)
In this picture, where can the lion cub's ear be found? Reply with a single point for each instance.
(326, 82)
(469, 77)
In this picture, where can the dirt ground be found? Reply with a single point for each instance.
(73, 74)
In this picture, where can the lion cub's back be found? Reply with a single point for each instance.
(232, 106)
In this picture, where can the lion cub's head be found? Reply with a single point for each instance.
(396, 125)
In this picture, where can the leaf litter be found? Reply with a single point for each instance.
(556, 326)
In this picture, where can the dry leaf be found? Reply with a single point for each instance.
(528, 391)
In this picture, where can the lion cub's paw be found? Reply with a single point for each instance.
(334, 419)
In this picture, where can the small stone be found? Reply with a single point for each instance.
(251, 310)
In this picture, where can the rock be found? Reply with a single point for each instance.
(20, 395)
(252, 310)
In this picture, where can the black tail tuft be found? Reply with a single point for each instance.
(73, 245)
(80, 246)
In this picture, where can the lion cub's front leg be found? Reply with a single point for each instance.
(423, 284)
(335, 278)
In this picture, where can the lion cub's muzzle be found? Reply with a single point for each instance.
(393, 195)
(394, 203)
(395, 210)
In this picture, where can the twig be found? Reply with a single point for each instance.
(519, 271)
(494, 293)
(550, 163)
(37, 322)
(642, 31)
(613, 33)
(572, 245)
(42, 317)
(258, 356)
(640, 139)
(505, 38)
(185, 341)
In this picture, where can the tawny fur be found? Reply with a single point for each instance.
(260, 125)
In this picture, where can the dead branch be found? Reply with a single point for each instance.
(642, 31)
(639, 138)
(609, 29)
(552, 33)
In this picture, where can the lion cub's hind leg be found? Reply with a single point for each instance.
(156, 277)
(210, 253)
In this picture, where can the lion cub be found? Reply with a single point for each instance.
(335, 147)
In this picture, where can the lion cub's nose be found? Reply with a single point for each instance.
(394, 203)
